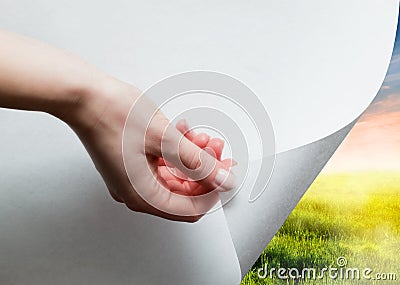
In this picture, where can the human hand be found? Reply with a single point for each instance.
(96, 107)
(99, 122)
(180, 183)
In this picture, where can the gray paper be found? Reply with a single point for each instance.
(253, 224)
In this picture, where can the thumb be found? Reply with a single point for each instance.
(196, 163)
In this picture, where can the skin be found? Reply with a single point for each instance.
(181, 183)
(35, 76)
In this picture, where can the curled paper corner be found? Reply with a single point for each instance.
(82, 237)
(256, 192)
(253, 218)
(252, 225)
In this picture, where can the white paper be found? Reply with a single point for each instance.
(316, 65)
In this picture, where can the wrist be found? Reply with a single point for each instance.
(103, 97)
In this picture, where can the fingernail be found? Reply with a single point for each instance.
(226, 180)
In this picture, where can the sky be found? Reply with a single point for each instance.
(374, 142)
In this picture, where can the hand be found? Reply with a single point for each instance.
(99, 122)
(180, 183)
(96, 106)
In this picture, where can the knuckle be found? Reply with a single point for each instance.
(155, 132)
(195, 162)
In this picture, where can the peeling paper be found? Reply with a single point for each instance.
(253, 225)
(315, 65)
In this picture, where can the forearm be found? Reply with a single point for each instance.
(36, 76)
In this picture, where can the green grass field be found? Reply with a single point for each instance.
(354, 215)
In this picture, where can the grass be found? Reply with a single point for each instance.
(355, 215)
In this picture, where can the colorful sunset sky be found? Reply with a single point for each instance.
(374, 142)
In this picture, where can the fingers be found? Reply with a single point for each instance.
(214, 146)
(195, 162)
(192, 156)
(172, 207)
(217, 145)
(178, 181)
(202, 140)
(168, 199)
(149, 192)
(183, 127)
(229, 162)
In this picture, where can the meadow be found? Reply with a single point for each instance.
(351, 215)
